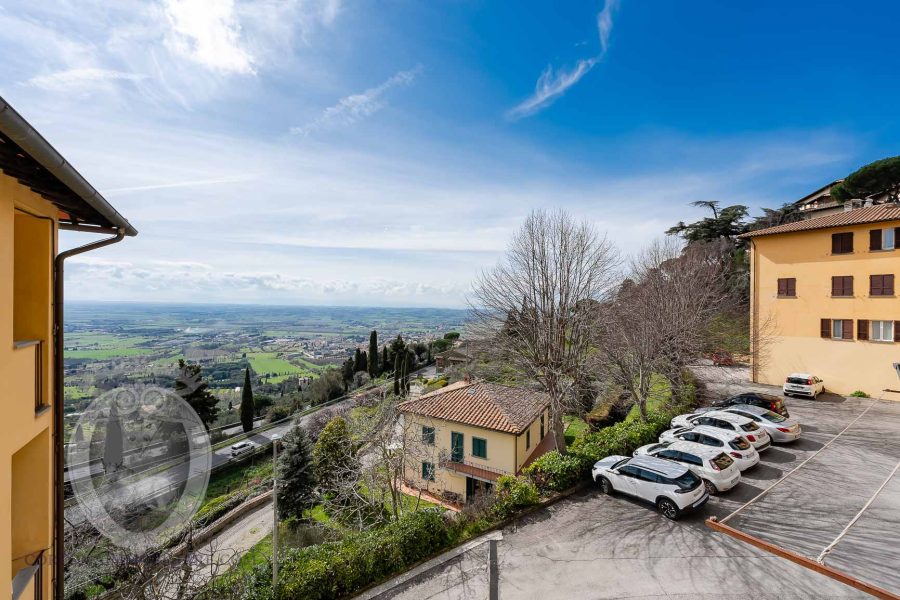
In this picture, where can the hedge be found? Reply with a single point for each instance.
(338, 569)
(554, 472)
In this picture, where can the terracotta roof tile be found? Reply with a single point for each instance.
(870, 214)
(487, 405)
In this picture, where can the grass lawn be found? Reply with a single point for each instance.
(256, 555)
(660, 394)
(233, 479)
(268, 362)
(575, 428)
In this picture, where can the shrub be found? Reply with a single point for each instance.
(513, 493)
(335, 570)
(554, 472)
(859, 394)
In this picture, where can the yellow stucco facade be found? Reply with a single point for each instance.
(788, 331)
(28, 241)
(506, 453)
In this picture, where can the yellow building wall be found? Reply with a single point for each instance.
(787, 330)
(27, 248)
(505, 451)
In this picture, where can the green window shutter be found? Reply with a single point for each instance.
(479, 447)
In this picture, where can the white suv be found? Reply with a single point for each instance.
(241, 447)
(717, 470)
(803, 384)
(671, 487)
(729, 421)
(736, 446)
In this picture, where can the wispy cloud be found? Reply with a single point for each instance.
(80, 78)
(207, 32)
(553, 83)
(356, 107)
(177, 184)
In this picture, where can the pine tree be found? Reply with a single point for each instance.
(332, 453)
(190, 386)
(373, 355)
(247, 407)
(296, 480)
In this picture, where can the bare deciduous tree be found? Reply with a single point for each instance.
(539, 303)
(657, 322)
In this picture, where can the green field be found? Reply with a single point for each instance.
(101, 346)
(104, 353)
(268, 362)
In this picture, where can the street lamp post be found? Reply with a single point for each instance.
(275, 439)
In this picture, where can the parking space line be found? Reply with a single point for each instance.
(792, 471)
(829, 547)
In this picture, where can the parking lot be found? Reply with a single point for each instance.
(594, 546)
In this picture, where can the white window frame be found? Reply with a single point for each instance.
(837, 329)
(884, 329)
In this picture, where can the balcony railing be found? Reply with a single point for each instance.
(472, 469)
(36, 346)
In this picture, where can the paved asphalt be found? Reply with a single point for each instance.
(594, 546)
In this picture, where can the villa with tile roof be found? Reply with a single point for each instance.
(468, 434)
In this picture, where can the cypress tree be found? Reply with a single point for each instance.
(385, 360)
(357, 361)
(247, 408)
(373, 355)
(397, 374)
(189, 384)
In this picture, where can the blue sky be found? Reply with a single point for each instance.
(381, 153)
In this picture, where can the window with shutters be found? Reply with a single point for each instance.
(881, 285)
(882, 331)
(841, 329)
(842, 285)
(842, 243)
(882, 239)
(428, 435)
(428, 471)
(479, 447)
(787, 287)
(528, 439)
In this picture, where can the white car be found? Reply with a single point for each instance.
(803, 384)
(736, 446)
(241, 447)
(671, 487)
(717, 470)
(729, 421)
(780, 429)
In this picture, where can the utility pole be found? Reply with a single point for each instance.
(275, 439)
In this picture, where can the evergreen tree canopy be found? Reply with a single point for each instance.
(189, 384)
(879, 177)
(333, 451)
(296, 479)
(726, 223)
(358, 364)
(247, 404)
(373, 355)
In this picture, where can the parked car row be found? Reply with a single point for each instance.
(703, 453)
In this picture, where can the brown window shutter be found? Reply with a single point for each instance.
(836, 286)
(847, 329)
(862, 329)
(782, 287)
(826, 328)
(875, 285)
(848, 242)
(835, 243)
(792, 286)
(897, 331)
(887, 285)
(848, 285)
(875, 239)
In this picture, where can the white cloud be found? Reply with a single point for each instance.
(356, 107)
(80, 79)
(553, 83)
(207, 32)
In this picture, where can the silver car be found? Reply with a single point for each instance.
(780, 429)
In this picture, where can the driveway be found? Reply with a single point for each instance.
(593, 546)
